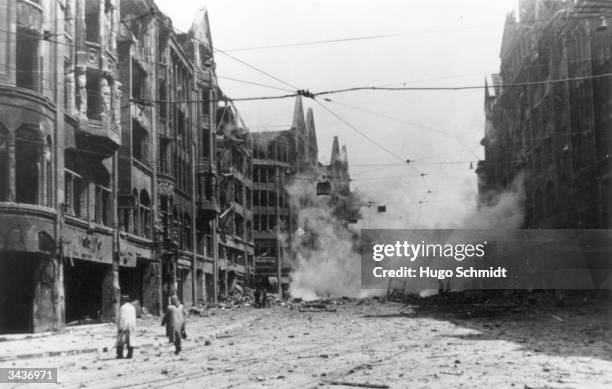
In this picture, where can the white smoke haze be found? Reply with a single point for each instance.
(505, 209)
(326, 262)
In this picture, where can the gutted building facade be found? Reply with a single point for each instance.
(235, 186)
(60, 128)
(114, 164)
(185, 146)
(548, 114)
(286, 174)
(279, 159)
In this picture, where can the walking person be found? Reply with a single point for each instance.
(257, 296)
(126, 328)
(264, 298)
(174, 320)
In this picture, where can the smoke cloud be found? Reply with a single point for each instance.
(325, 259)
(326, 262)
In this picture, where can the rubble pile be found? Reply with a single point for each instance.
(274, 299)
(238, 299)
(323, 305)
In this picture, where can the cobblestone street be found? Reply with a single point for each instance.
(380, 344)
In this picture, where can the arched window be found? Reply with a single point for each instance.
(4, 164)
(28, 146)
(145, 214)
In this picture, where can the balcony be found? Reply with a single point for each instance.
(142, 114)
(26, 227)
(99, 135)
(208, 209)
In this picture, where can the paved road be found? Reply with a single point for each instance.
(390, 344)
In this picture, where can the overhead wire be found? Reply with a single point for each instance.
(395, 119)
(371, 140)
(379, 36)
(254, 83)
(230, 56)
(298, 92)
(256, 68)
(458, 138)
(365, 88)
(360, 88)
(458, 88)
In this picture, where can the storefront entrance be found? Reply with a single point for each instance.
(83, 288)
(17, 293)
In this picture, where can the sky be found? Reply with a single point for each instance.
(443, 43)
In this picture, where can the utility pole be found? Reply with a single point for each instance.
(278, 231)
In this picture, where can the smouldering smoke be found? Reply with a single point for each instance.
(325, 261)
(324, 250)
(501, 210)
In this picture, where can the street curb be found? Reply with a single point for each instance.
(64, 330)
(213, 334)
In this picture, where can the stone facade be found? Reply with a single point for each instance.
(282, 159)
(112, 164)
(554, 134)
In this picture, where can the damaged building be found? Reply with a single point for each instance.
(281, 159)
(59, 133)
(548, 114)
(184, 165)
(236, 246)
(120, 164)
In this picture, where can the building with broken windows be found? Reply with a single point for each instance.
(279, 159)
(284, 159)
(235, 185)
(59, 132)
(343, 202)
(548, 114)
(120, 161)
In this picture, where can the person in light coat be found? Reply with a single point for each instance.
(174, 320)
(126, 328)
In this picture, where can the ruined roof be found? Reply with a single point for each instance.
(335, 153)
(200, 27)
(298, 115)
(311, 132)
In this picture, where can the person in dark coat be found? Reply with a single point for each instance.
(264, 298)
(174, 320)
(257, 295)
